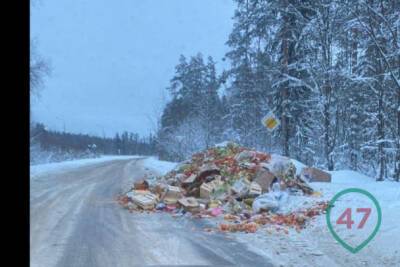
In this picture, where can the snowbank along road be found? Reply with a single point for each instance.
(75, 221)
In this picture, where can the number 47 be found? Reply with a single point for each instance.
(345, 218)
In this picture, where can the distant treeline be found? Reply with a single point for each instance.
(122, 144)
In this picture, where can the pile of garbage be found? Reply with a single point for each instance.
(248, 187)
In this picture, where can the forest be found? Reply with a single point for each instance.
(53, 146)
(328, 69)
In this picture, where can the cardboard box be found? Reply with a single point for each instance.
(141, 185)
(145, 201)
(172, 195)
(312, 174)
(255, 189)
(207, 170)
(188, 203)
(214, 204)
(206, 190)
(180, 177)
(264, 178)
(190, 179)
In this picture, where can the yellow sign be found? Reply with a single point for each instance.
(270, 122)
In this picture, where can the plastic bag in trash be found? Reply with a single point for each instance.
(160, 206)
(240, 187)
(270, 201)
(265, 202)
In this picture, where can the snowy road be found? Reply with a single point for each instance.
(74, 221)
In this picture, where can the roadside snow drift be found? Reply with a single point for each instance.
(40, 169)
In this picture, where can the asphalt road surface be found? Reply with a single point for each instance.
(75, 221)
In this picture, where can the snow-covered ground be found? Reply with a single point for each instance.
(41, 169)
(315, 246)
(159, 166)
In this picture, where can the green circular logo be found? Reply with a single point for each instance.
(374, 232)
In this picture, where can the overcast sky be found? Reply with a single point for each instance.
(112, 60)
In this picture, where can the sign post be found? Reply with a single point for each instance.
(270, 121)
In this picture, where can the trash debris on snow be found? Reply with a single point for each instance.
(216, 211)
(247, 187)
